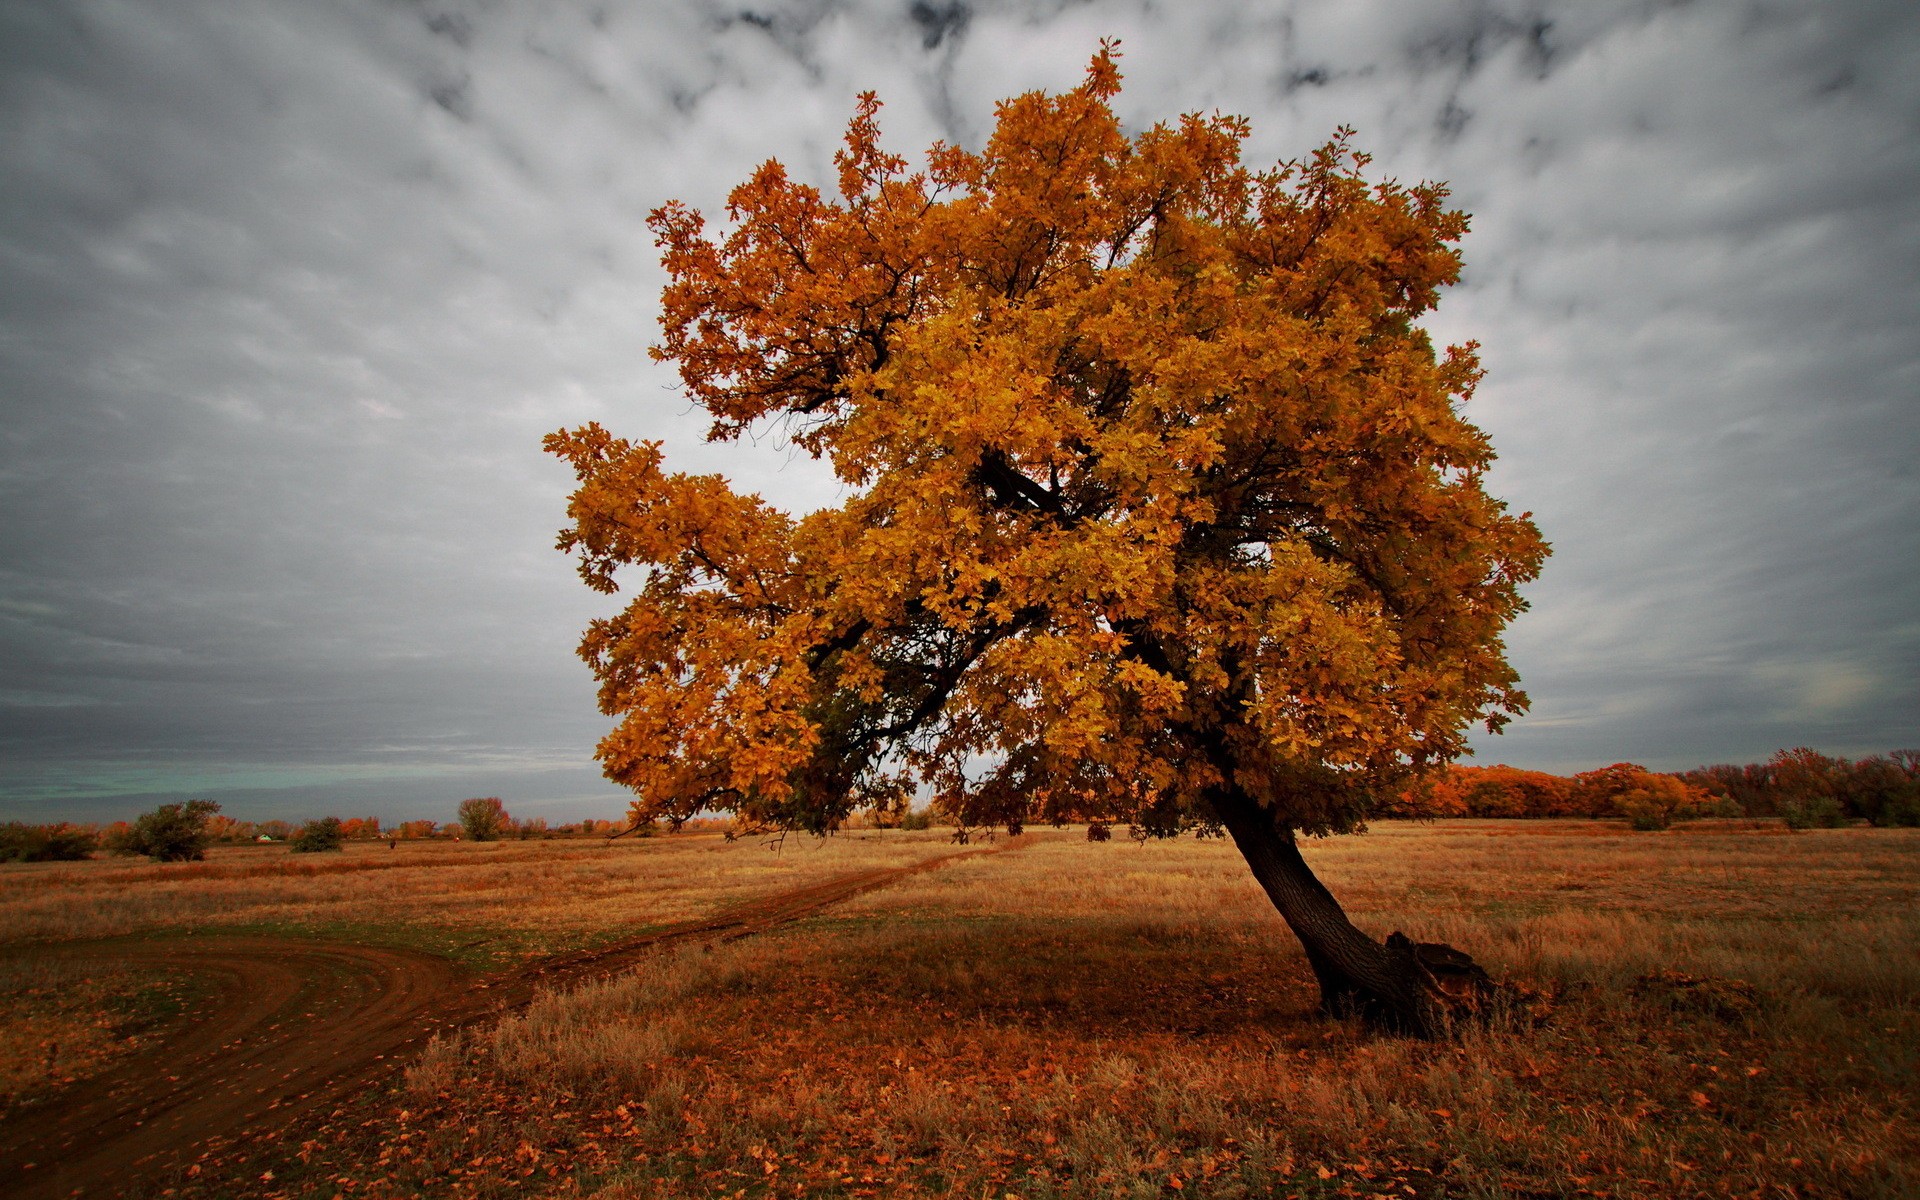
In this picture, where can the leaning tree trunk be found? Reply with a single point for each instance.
(1421, 988)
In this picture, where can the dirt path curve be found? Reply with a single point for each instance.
(292, 1026)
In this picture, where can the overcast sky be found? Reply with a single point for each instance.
(290, 290)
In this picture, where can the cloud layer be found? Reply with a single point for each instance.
(289, 292)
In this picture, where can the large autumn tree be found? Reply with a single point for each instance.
(1160, 506)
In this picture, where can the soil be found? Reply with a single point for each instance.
(288, 1026)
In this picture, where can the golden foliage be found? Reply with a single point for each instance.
(1156, 485)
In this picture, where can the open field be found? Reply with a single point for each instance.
(1068, 1019)
(535, 895)
(486, 905)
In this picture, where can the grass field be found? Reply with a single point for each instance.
(1734, 1016)
(539, 895)
(488, 905)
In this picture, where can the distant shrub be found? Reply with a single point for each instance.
(532, 827)
(1099, 831)
(484, 818)
(1902, 810)
(917, 818)
(45, 843)
(319, 836)
(1717, 806)
(1644, 814)
(1654, 801)
(1813, 812)
(170, 833)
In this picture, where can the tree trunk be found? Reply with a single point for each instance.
(1421, 988)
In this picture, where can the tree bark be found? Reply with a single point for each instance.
(1419, 988)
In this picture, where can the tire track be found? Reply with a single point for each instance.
(295, 1026)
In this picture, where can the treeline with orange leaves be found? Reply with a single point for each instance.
(1803, 786)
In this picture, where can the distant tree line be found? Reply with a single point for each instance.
(1802, 786)
(182, 832)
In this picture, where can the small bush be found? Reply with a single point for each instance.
(1902, 810)
(1654, 801)
(1099, 831)
(1643, 814)
(170, 833)
(1718, 806)
(45, 843)
(318, 836)
(1813, 812)
(917, 818)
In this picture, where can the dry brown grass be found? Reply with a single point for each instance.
(62, 1022)
(1078, 1020)
(531, 895)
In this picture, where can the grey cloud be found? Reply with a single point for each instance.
(939, 21)
(289, 293)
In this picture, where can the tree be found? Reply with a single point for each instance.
(484, 818)
(170, 833)
(1160, 508)
(1883, 790)
(222, 828)
(1805, 787)
(1749, 786)
(1597, 793)
(315, 837)
(1656, 801)
(360, 828)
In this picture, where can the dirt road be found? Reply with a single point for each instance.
(291, 1026)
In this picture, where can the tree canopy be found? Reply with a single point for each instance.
(170, 833)
(1160, 506)
(1148, 460)
(484, 818)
